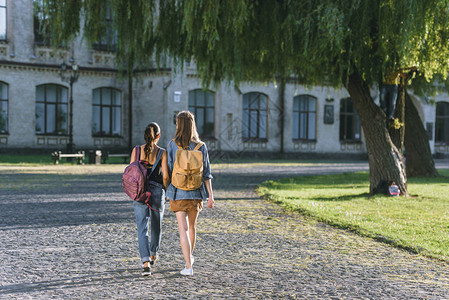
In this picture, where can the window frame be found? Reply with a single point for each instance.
(5, 7)
(194, 109)
(57, 104)
(258, 111)
(308, 112)
(344, 115)
(111, 114)
(445, 119)
(41, 38)
(5, 85)
(110, 35)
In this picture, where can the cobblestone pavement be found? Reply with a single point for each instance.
(68, 232)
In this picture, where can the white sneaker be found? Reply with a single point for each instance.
(187, 272)
(146, 271)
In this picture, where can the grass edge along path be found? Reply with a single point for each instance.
(419, 224)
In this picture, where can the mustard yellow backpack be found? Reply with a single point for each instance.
(188, 168)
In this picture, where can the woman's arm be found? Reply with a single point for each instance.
(210, 201)
(169, 158)
(207, 176)
(165, 176)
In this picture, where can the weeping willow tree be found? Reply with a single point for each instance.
(357, 45)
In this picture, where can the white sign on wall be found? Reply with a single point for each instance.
(177, 97)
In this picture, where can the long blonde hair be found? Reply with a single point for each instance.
(186, 129)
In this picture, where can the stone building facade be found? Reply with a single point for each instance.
(35, 103)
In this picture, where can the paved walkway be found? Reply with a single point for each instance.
(67, 232)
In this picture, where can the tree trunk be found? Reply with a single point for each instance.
(385, 160)
(419, 161)
(397, 135)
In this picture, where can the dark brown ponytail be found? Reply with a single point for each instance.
(151, 133)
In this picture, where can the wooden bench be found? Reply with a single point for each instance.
(106, 155)
(58, 155)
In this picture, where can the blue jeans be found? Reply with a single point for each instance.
(145, 216)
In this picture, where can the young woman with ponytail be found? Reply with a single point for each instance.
(155, 159)
(188, 203)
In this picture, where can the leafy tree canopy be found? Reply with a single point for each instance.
(314, 40)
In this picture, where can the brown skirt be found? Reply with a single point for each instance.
(186, 205)
(191, 207)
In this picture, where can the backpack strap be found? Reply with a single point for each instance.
(158, 158)
(198, 146)
(137, 153)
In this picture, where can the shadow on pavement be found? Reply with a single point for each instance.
(15, 215)
(53, 184)
(67, 283)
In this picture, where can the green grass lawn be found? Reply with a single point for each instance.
(25, 159)
(419, 223)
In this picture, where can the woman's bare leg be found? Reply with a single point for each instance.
(192, 217)
(184, 239)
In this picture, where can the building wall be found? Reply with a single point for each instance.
(157, 97)
(229, 110)
(149, 104)
(24, 65)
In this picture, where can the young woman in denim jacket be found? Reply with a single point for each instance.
(188, 204)
(155, 159)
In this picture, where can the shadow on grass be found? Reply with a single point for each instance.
(320, 181)
(341, 198)
(426, 180)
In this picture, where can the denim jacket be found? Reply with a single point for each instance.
(174, 193)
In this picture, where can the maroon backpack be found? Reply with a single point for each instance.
(134, 179)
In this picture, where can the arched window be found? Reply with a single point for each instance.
(3, 107)
(442, 123)
(304, 117)
(202, 105)
(255, 116)
(349, 121)
(3, 20)
(106, 112)
(51, 109)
